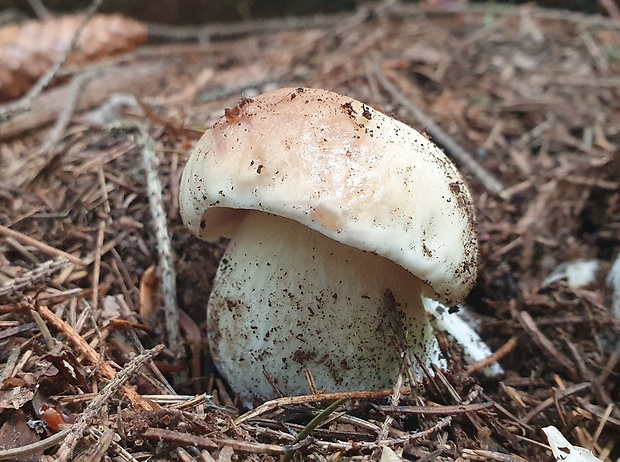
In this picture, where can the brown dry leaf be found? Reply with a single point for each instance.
(15, 398)
(148, 286)
(226, 454)
(27, 50)
(64, 371)
(389, 455)
(15, 433)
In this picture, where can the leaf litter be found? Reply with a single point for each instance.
(526, 100)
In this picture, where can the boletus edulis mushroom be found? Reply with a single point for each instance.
(329, 205)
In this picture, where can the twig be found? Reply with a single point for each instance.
(491, 183)
(535, 133)
(39, 9)
(4, 231)
(599, 391)
(24, 103)
(220, 31)
(104, 192)
(214, 95)
(96, 405)
(601, 425)
(9, 365)
(435, 410)
(404, 9)
(611, 7)
(91, 354)
(23, 251)
(612, 362)
(202, 442)
(95, 453)
(495, 357)
(120, 450)
(398, 330)
(183, 455)
(92, 308)
(389, 420)
(321, 397)
(543, 342)
(167, 273)
(556, 397)
(586, 82)
(598, 412)
(34, 276)
(11, 332)
(597, 55)
(473, 418)
(346, 445)
(64, 117)
(480, 454)
(47, 335)
(97, 90)
(371, 445)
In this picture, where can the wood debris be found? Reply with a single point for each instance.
(526, 100)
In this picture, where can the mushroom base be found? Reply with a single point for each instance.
(286, 298)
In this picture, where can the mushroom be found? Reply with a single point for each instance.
(341, 219)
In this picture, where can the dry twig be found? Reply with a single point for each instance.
(611, 7)
(559, 395)
(542, 341)
(74, 89)
(167, 273)
(39, 9)
(484, 455)
(435, 410)
(105, 368)
(101, 400)
(495, 357)
(95, 91)
(203, 442)
(306, 399)
(34, 448)
(33, 277)
(4, 231)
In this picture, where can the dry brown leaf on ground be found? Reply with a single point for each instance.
(16, 433)
(543, 117)
(27, 50)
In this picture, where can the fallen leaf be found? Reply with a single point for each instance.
(29, 49)
(16, 433)
(15, 398)
(388, 455)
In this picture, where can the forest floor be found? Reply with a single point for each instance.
(525, 101)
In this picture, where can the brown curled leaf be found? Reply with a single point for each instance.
(28, 49)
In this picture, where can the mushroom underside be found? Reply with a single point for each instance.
(286, 298)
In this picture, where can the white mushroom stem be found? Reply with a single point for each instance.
(613, 280)
(286, 298)
(563, 451)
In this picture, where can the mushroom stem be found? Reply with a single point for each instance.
(286, 298)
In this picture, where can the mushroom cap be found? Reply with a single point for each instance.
(343, 169)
